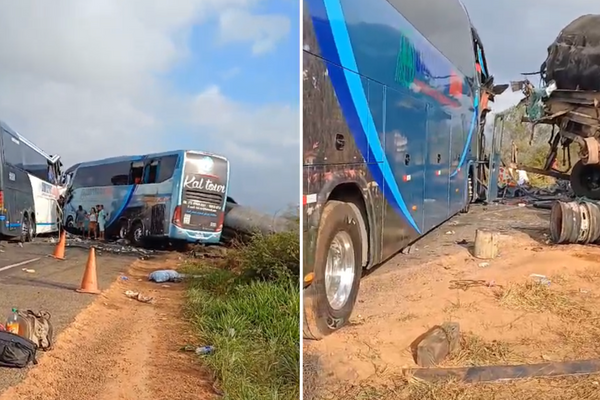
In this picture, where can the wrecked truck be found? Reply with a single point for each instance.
(569, 101)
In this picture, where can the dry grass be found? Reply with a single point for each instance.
(539, 298)
(475, 351)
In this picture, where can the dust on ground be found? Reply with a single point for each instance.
(122, 349)
(505, 317)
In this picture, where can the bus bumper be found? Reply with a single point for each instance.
(194, 236)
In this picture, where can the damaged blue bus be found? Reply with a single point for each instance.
(177, 195)
(392, 132)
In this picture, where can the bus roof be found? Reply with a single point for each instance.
(16, 135)
(138, 158)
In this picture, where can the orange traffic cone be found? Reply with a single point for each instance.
(89, 283)
(59, 250)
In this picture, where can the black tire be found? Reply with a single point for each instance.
(26, 228)
(320, 319)
(137, 234)
(581, 180)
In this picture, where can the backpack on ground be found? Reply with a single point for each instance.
(16, 351)
(37, 328)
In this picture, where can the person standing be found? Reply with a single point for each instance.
(93, 223)
(101, 221)
(80, 218)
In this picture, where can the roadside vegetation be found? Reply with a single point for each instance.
(247, 307)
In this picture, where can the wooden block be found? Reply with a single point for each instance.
(437, 343)
(486, 244)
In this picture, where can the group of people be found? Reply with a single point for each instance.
(92, 223)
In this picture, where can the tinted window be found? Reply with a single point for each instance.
(12, 149)
(167, 167)
(112, 174)
(446, 25)
(34, 162)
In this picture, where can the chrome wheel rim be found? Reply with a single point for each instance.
(137, 234)
(339, 270)
(123, 232)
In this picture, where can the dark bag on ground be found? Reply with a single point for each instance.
(37, 328)
(574, 58)
(16, 351)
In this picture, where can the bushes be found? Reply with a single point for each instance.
(248, 308)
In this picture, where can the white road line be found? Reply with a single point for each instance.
(19, 264)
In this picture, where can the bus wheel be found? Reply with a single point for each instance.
(137, 234)
(123, 229)
(26, 228)
(470, 195)
(329, 300)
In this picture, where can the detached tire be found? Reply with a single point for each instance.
(585, 180)
(339, 243)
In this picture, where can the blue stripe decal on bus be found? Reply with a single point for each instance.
(45, 223)
(126, 202)
(463, 156)
(341, 37)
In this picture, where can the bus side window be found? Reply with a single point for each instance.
(136, 173)
(151, 172)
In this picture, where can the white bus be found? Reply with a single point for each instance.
(29, 188)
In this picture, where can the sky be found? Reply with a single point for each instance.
(516, 35)
(100, 78)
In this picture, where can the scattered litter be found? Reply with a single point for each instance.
(584, 291)
(484, 264)
(204, 350)
(29, 271)
(20, 244)
(165, 275)
(124, 278)
(450, 233)
(139, 297)
(541, 279)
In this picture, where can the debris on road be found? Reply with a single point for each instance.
(575, 222)
(486, 244)
(204, 350)
(494, 373)
(436, 344)
(541, 279)
(165, 275)
(139, 297)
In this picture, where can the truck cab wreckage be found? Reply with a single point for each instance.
(569, 101)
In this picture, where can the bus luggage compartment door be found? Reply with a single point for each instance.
(157, 222)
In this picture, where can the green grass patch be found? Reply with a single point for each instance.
(248, 308)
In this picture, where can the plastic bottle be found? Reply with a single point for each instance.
(12, 324)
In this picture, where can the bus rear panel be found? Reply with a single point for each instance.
(199, 214)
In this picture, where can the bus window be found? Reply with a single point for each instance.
(151, 172)
(167, 167)
(136, 174)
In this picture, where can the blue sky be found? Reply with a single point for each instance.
(134, 77)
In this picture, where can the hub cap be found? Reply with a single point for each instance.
(339, 270)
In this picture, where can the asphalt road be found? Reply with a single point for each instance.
(51, 287)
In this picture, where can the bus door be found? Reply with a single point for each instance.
(437, 168)
(458, 177)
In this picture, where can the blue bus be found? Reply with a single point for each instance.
(392, 129)
(177, 195)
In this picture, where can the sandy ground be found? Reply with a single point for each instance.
(121, 349)
(513, 321)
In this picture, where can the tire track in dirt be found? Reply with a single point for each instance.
(121, 349)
